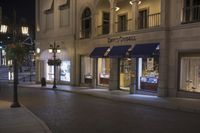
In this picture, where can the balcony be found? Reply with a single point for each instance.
(103, 29)
(123, 26)
(85, 33)
(191, 14)
(149, 21)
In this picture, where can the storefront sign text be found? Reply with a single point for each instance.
(121, 39)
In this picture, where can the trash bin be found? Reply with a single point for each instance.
(43, 81)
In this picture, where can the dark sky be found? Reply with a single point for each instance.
(24, 9)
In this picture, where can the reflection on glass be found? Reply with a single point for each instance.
(190, 74)
(103, 71)
(148, 73)
(86, 70)
(125, 73)
(50, 72)
(65, 71)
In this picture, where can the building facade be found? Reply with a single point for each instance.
(141, 46)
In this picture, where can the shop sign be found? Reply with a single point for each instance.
(150, 64)
(121, 39)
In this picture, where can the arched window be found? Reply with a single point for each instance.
(86, 23)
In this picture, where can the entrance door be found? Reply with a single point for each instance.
(143, 19)
(125, 73)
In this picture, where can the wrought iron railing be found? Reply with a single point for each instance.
(149, 21)
(103, 29)
(191, 14)
(85, 33)
(122, 26)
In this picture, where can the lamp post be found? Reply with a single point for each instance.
(54, 49)
(15, 33)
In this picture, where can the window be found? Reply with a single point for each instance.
(86, 23)
(103, 71)
(49, 17)
(106, 23)
(86, 70)
(122, 23)
(65, 71)
(191, 11)
(65, 14)
(190, 73)
(143, 19)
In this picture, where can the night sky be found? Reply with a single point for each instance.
(24, 9)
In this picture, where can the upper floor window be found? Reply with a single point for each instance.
(50, 17)
(122, 23)
(86, 23)
(65, 13)
(191, 11)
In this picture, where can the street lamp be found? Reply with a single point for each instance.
(54, 49)
(15, 34)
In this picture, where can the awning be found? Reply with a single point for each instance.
(99, 52)
(119, 51)
(145, 50)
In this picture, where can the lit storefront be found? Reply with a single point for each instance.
(190, 73)
(86, 70)
(147, 66)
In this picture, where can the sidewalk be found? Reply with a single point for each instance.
(182, 104)
(19, 120)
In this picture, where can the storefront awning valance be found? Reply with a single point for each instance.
(119, 51)
(143, 50)
(99, 52)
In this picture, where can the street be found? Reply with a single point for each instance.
(76, 113)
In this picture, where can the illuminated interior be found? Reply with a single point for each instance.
(190, 74)
(148, 74)
(86, 70)
(103, 71)
(125, 73)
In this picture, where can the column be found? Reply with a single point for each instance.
(134, 15)
(114, 74)
(112, 16)
(94, 77)
(164, 52)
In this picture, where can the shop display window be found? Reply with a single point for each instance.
(65, 71)
(49, 72)
(125, 73)
(190, 74)
(86, 70)
(103, 71)
(148, 73)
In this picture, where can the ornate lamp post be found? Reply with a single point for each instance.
(55, 62)
(15, 34)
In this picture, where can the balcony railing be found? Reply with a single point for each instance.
(103, 29)
(122, 26)
(149, 21)
(191, 14)
(85, 33)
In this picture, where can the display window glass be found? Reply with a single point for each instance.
(125, 73)
(86, 70)
(190, 74)
(103, 71)
(148, 75)
(49, 72)
(65, 71)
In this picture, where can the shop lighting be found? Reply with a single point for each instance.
(139, 2)
(117, 9)
(24, 30)
(4, 28)
(38, 50)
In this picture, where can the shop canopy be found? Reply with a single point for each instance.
(99, 52)
(119, 51)
(145, 50)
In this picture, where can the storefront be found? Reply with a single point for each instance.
(125, 70)
(189, 72)
(147, 66)
(102, 65)
(86, 70)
